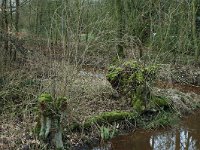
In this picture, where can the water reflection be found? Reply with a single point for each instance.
(178, 140)
(185, 137)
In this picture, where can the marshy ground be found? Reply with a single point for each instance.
(89, 94)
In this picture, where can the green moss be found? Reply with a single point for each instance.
(138, 105)
(109, 117)
(51, 112)
(133, 80)
(158, 101)
(45, 98)
(52, 107)
(113, 72)
(140, 77)
(132, 64)
(104, 118)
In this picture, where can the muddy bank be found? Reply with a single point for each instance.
(179, 74)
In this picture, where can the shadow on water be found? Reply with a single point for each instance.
(184, 137)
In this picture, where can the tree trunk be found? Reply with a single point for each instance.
(37, 18)
(119, 13)
(50, 124)
(194, 12)
(5, 30)
(16, 26)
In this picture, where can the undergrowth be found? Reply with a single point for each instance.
(91, 105)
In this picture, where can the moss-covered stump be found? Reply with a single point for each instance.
(51, 114)
(104, 118)
(133, 80)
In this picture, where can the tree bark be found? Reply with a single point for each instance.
(120, 30)
(16, 26)
(194, 12)
(5, 29)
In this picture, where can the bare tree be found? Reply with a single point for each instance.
(119, 14)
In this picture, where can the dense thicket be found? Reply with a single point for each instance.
(167, 28)
(61, 49)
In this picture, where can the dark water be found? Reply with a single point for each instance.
(184, 137)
